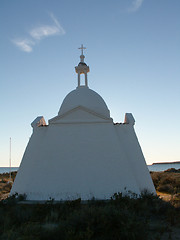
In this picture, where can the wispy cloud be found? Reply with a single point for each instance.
(61, 30)
(38, 33)
(44, 31)
(136, 4)
(24, 44)
(47, 30)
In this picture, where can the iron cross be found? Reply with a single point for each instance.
(82, 48)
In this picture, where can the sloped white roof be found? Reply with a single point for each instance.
(85, 97)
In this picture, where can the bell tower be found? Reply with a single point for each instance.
(82, 68)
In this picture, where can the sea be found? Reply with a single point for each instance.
(158, 167)
(7, 169)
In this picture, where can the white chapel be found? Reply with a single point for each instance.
(82, 153)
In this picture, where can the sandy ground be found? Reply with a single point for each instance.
(165, 196)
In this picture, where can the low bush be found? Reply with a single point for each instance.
(167, 181)
(166, 188)
(119, 218)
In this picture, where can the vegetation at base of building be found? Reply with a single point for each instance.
(121, 217)
(167, 185)
(147, 217)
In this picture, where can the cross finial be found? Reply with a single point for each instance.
(82, 48)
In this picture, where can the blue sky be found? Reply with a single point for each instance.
(133, 50)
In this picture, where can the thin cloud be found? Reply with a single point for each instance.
(62, 31)
(46, 30)
(56, 22)
(38, 33)
(24, 44)
(136, 4)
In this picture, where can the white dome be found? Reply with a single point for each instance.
(85, 97)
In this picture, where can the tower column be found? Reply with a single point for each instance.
(86, 82)
(79, 83)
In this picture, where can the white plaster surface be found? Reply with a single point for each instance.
(83, 96)
(81, 153)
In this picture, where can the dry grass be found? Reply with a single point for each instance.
(165, 196)
(167, 185)
(6, 184)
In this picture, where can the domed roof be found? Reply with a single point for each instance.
(85, 97)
